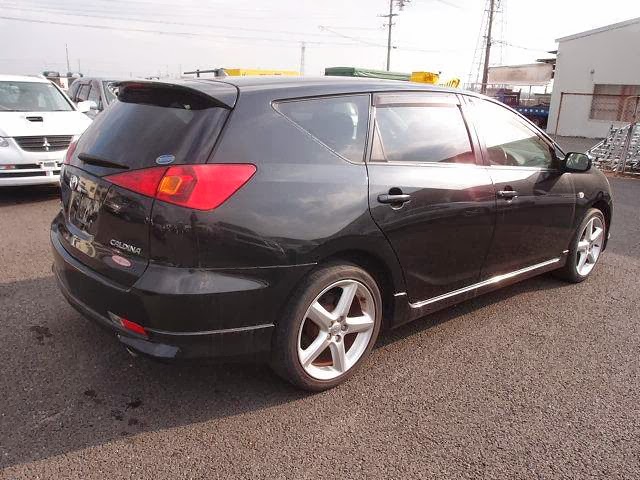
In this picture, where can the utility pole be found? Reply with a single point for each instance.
(390, 24)
(487, 52)
(303, 50)
(66, 49)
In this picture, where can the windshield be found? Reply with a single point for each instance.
(32, 97)
(110, 90)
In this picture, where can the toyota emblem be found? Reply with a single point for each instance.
(73, 183)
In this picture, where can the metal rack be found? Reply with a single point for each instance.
(620, 150)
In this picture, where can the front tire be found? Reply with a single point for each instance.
(329, 327)
(586, 246)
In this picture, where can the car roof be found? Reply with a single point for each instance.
(227, 89)
(103, 79)
(330, 84)
(22, 78)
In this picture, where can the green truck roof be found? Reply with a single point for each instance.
(365, 72)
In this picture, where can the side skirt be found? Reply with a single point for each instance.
(425, 307)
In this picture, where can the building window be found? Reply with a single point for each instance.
(610, 102)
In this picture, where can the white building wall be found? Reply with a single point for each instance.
(606, 57)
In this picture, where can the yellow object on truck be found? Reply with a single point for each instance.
(425, 77)
(244, 72)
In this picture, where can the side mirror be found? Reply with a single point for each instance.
(576, 162)
(85, 106)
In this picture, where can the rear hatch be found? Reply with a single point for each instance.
(150, 127)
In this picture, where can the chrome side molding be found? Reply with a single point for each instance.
(484, 283)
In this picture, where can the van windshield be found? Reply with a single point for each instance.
(32, 97)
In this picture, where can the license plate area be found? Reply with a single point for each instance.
(49, 165)
(83, 211)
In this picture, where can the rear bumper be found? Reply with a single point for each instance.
(188, 314)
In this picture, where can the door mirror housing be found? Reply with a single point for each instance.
(87, 105)
(576, 162)
(84, 107)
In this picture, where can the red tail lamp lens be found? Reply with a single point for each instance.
(140, 181)
(70, 151)
(201, 187)
(133, 327)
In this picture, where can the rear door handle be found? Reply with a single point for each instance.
(398, 199)
(508, 194)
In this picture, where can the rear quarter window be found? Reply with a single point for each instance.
(340, 123)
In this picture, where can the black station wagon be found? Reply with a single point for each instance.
(290, 220)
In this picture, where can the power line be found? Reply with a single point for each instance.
(449, 4)
(371, 44)
(360, 40)
(161, 22)
(521, 47)
(244, 14)
(173, 33)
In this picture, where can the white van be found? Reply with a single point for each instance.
(38, 122)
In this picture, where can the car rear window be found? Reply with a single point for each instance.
(340, 123)
(147, 123)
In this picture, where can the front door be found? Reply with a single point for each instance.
(427, 193)
(535, 199)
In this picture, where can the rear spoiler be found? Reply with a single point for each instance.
(220, 94)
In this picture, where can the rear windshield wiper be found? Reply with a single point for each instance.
(100, 162)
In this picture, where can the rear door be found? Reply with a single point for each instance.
(83, 92)
(103, 225)
(435, 204)
(535, 199)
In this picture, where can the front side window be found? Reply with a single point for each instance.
(73, 90)
(32, 97)
(338, 122)
(424, 134)
(508, 140)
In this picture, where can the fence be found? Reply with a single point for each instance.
(620, 150)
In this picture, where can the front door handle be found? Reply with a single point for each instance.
(394, 199)
(508, 194)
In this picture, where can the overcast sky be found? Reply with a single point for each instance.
(143, 37)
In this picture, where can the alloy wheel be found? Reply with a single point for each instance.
(336, 329)
(589, 246)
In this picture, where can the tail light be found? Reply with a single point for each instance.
(70, 151)
(201, 187)
(128, 325)
(133, 327)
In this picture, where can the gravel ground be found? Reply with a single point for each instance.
(539, 380)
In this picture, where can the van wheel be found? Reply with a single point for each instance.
(329, 327)
(585, 249)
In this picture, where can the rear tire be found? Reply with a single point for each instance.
(585, 249)
(329, 327)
